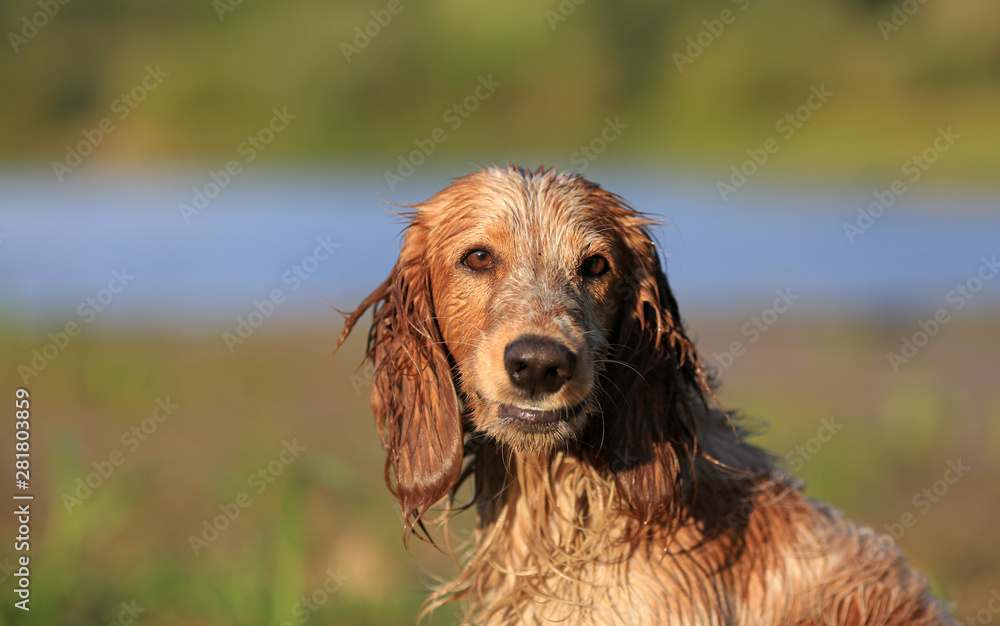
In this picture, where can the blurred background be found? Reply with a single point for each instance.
(189, 189)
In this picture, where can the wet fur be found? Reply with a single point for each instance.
(648, 508)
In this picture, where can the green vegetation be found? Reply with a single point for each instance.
(697, 84)
(324, 519)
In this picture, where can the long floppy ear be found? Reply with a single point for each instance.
(656, 388)
(413, 393)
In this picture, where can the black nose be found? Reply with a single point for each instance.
(539, 365)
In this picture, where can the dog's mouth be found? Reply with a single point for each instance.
(528, 429)
(538, 416)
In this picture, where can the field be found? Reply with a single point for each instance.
(253, 494)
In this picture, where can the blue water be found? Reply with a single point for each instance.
(60, 243)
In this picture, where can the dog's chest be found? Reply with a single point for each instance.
(559, 551)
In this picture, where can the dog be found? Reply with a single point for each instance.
(527, 340)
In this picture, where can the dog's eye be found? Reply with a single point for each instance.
(478, 260)
(594, 266)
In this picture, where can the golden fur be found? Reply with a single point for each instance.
(618, 495)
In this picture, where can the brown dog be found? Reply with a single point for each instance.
(527, 338)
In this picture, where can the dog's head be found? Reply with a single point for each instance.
(528, 308)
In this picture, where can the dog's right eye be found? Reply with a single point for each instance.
(478, 260)
(594, 266)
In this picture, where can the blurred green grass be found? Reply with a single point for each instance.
(329, 511)
(558, 84)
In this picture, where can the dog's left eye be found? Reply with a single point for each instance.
(478, 260)
(594, 266)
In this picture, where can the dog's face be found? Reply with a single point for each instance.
(527, 286)
(533, 305)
